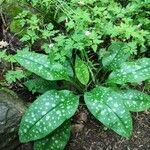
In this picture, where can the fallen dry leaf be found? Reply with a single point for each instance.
(3, 44)
(77, 128)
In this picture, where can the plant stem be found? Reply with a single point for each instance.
(91, 72)
(76, 85)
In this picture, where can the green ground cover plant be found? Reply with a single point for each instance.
(98, 47)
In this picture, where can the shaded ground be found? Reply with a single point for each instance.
(89, 134)
(95, 137)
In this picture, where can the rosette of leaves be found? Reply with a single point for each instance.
(47, 120)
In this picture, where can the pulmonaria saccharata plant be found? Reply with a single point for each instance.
(96, 51)
(109, 104)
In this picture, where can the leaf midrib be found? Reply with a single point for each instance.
(42, 117)
(116, 115)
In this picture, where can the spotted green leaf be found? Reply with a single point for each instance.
(135, 101)
(47, 113)
(40, 65)
(115, 56)
(56, 140)
(133, 72)
(40, 85)
(82, 71)
(107, 106)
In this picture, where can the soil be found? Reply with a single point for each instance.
(94, 136)
(90, 134)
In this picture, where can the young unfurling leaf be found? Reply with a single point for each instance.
(82, 71)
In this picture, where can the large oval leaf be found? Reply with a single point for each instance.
(56, 140)
(133, 72)
(82, 71)
(135, 101)
(40, 65)
(116, 55)
(47, 113)
(107, 106)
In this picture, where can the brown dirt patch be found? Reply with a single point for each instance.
(94, 136)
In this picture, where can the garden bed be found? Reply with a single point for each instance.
(89, 134)
(96, 72)
(94, 136)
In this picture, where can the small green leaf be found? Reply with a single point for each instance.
(12, 76)
(40, 85)
(133, 72)
(55, 141)
(135, 101)
(15, 26)
(40, 65)
(107, 106)
(116, 55)
(6, 57)
(82, 71)
(46, 114)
